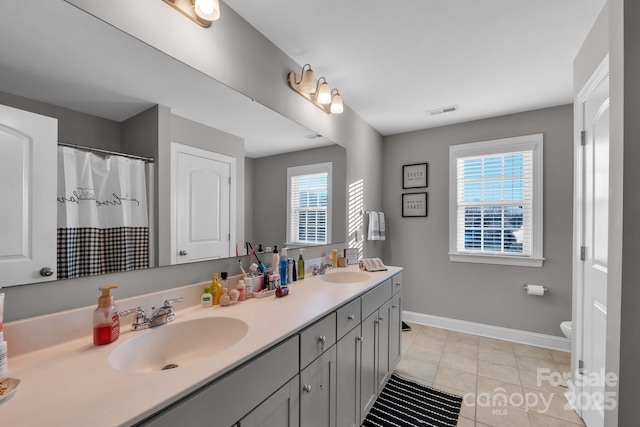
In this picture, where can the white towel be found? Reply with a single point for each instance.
(374, 226)
(381, 224)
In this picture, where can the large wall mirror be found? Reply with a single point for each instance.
(110, 91)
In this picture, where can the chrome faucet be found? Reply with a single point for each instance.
(159, 316)
(319, 270)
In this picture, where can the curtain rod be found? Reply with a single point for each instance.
(99, 150)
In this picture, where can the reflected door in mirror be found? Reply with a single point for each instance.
(202, 194)
(28, 144)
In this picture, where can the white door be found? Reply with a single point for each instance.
(203, 204)
(28, 167)
(595, 220)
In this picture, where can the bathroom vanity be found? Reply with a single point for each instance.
(318, 356)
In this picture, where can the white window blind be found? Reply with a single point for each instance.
(309, 203)
(496, 201)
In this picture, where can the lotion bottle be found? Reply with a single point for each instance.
(206, 300)
(106, 321)
(284, 267)
(300, 266)
(216, 289)
(275, 259)
(242, 289)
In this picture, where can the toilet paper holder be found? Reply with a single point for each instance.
(526, 287)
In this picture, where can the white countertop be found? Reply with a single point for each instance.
(73, 384)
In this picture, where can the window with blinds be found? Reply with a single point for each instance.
(496, 201)
(309, 204)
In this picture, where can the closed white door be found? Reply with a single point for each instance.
(595, 217)
(28, 167)
(202, 203)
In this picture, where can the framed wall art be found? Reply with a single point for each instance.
(415, 176)
(414, 204)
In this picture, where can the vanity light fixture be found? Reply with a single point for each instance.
(202, 12)
(317, 92)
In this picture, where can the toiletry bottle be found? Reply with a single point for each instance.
(4, 362)
(292, 269)
(242, 289)
(300, 266)
(334, 258)
(216, 289)
(206, 300)
(106, 322)
(284, 267)
(275, 259)
(223, 280)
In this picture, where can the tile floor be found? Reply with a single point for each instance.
(499, 380)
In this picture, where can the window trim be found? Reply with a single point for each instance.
(307, 170)
(500, 146)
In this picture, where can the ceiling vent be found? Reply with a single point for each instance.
(443, 110)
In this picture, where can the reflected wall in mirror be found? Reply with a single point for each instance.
(108, 90)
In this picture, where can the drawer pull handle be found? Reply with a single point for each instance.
(351, 317)
(381, 319)
(359, 339)
(307, 388)
(399, 283)
(322, 340)
(394, 306)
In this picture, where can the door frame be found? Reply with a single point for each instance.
(176, 148)
(600, 73)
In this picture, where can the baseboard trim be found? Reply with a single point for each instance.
(497, 332)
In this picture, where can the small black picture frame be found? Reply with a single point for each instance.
(415, 175)
(414, 205)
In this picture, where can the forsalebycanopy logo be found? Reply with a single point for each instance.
(591, 384)
(592, 395)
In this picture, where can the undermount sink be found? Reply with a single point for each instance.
(344, 277)
(177, 344)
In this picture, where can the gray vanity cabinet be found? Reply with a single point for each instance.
(318, 391)
(282, 409)
(225, 401)
(375, 367)
(318, 373)
(395, 330)
(348, 352)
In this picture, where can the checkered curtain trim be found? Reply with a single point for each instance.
(92, 251)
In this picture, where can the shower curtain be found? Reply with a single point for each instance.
(103, 220)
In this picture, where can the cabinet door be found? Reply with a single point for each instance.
(382, 365)
(395, 331)
(348, 369)
(368, 372)
(318, 391)
(282, 409)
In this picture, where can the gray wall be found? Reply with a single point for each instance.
(488, 294)
(270, 192)
(73, 127)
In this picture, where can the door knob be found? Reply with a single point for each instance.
(307, 388)
(46, 271)
(183, 253)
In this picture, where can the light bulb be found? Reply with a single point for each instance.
(336, 103)
(308, 83)
(207, 9)
(324, 94)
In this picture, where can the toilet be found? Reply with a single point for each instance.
(566, 328)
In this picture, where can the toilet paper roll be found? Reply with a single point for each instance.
(535, 290)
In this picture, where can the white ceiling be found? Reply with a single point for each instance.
(393, 61)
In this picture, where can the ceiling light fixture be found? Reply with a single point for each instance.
(202, 12)
(317, 92)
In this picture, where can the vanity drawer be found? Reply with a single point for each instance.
(316, 339)
(377, 296)
(397, 283)
(348, 317)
